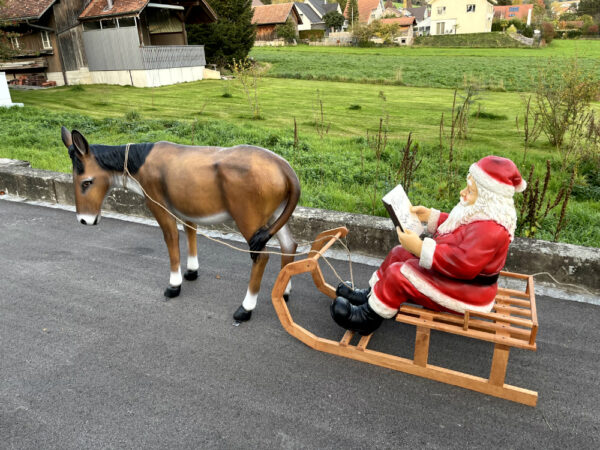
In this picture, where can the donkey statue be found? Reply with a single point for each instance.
(199, 185)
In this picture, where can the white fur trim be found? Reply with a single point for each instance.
(488, 182)
(374, 279)
(380, 308)
(427, 251)
(429, 290)
(432, 223)
(521, 186)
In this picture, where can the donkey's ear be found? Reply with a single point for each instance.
(79, 142)
(66, 137)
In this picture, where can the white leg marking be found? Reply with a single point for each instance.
(192, 263)
(175, 279)
(249, 302)
(288, 288)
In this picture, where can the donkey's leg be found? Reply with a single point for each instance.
(244, 312)
(288, 246)
(171, 235)
(192, 261)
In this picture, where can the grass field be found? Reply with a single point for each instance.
(497, 69)
(337, 171)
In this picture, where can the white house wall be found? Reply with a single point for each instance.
(456, 19)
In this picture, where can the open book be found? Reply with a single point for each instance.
(398, 206)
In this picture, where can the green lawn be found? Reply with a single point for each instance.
(337, 171)
(497, 69)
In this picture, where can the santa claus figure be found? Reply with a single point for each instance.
(454, 271)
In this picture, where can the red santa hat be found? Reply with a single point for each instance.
(499, 175)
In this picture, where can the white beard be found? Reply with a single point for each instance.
(488, 206)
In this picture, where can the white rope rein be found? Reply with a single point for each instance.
(127, 174)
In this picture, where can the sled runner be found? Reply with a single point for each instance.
(512, 323)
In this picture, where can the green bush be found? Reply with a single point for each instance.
(527, 31)
(517, 24)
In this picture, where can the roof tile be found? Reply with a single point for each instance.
(99, 8)
(267, 14)
(24, 9)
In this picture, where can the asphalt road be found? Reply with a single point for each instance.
(92, 357)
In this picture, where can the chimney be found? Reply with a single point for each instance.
(408, 3)
(109, 5)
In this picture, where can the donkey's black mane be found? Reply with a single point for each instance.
(112, 157)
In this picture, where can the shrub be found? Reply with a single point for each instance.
(517, 24)
(527, 31)
(548, 32)
(286, 31)
(591, 30)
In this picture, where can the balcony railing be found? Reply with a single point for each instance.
(169, 56)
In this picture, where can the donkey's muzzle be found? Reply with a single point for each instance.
(88, 219)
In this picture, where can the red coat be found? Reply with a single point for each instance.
(446, 270)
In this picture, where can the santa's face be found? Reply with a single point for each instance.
(468, 196)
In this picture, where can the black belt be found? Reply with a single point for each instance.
(484, 280)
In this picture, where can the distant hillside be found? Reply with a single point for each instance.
(480, 40)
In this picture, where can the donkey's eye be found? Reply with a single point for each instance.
(85, 185)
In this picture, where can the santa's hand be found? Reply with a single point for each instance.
(421, 212)
(410, 241)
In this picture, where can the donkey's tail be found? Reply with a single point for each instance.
(259, 239)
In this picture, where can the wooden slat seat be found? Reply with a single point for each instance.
(511, 323)
(516, 318)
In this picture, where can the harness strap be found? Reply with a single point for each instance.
(125, 170)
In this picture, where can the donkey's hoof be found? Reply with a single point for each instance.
(242, 315)
(190, 275)
(286, 297)
(172, 291)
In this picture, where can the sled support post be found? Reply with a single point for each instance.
(512, 323)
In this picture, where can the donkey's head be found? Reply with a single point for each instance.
(91, 182)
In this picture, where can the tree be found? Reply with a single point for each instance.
(342, 4)
(230, 37)
(352, 12)
(286, 31)
(504, 2)
(590, 7)
(334, 19)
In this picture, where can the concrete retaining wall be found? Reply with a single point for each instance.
(372, 236)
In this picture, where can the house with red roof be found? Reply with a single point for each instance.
(267, 17)
(127, 42)
(35, 44)
(405, 28)
(509, 12)
(368, 11)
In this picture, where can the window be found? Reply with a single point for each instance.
(109, 23)
(441, 10)
(471, 8)
(14, 42)
(513, 9)
(511, 15)
(440, 27)
(127, 22)
(89, 26)
(46, 44)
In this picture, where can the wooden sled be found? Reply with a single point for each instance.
(512, 323)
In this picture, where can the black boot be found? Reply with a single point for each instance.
(356, 296)
(361, 319)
